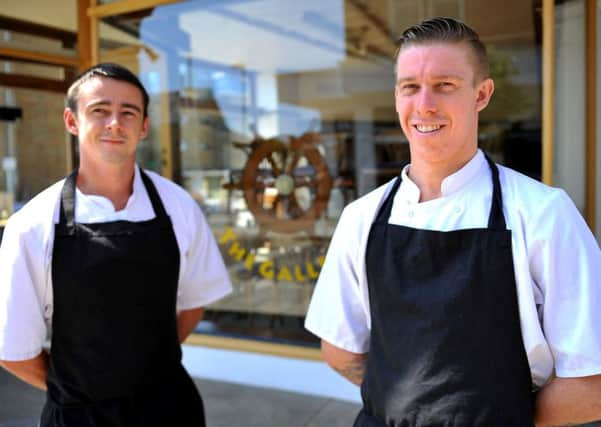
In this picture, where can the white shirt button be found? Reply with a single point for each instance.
(410, 214)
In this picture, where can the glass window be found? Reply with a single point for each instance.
(34, 147)
(276, 114)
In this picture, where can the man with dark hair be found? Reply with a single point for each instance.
(118, 263)
(110, 71)
(461, 293)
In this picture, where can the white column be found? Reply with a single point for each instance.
(365, 156)
(569, 168)
(267, 101)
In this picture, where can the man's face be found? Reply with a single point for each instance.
(109, 121)
(437, 100)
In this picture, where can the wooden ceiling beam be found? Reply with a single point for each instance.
(30, 82)
(38, 57)
(68, 38)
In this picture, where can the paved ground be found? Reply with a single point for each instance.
(226, 405)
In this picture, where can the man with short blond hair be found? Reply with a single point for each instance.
(453, 292)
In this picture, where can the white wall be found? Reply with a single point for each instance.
(569, 171)
(598, 219)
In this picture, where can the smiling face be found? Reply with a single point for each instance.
(109, 121)
(438, 99)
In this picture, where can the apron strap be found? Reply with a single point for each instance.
(67, 202)
(386, 208)
(153, 195)
(496, 219)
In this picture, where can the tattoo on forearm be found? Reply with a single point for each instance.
(353, 371)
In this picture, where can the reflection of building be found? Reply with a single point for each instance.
(227, 77)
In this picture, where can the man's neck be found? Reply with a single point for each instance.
(113, 182)
(429, 177)
(429, 184)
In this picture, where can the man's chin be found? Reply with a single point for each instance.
(118, 158)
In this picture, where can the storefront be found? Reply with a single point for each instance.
(275, 114)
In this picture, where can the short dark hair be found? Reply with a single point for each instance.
(448, 30)
(107, 70)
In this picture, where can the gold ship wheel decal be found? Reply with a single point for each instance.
(286, 184)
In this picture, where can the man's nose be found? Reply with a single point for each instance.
(426, 102)
(112, 121)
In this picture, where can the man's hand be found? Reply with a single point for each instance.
(187, 321)
(32, 371)
(569, 401)
(349, 365)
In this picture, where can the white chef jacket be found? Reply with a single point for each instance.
(26, 257)
(557, 264)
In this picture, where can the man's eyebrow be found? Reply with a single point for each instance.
(448, 77)
(132, 106)
(98, 103)
(402, 80)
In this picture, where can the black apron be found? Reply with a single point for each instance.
(446, 346)
(115, 357)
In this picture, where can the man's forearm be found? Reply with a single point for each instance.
(354, 371)
(187, 321)
(348, 364)
(32, 371)
(569, 401)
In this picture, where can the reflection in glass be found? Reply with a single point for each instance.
(276, 114)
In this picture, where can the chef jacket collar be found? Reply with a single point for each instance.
(409, 191)
(103, 204)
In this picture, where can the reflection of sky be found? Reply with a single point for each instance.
(229, 48)
(267, 35)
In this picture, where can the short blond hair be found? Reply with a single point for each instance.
(447, 30)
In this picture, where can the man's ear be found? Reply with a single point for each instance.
(145, 126)
(71, 122)
(485, 90)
